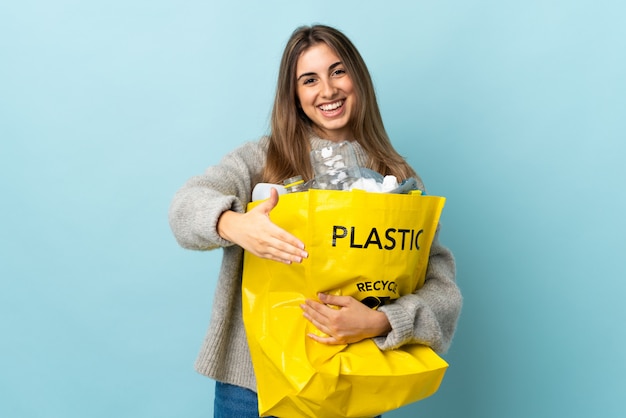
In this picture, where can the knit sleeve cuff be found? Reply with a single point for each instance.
(401, 327)
(225, 203)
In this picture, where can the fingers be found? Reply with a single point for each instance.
(340, 301)
(321, 322)
(269, 240)
(324, 318)
(330, 340)
(328, 306)
(344, 319)
(319, 325)
(276, 244)
(284, 254)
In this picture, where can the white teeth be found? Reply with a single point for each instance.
(331, 106)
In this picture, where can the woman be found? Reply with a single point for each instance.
(324, 96)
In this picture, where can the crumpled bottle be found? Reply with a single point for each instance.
(335, 167)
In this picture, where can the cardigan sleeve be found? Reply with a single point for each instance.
(430, 314)
(198, 204)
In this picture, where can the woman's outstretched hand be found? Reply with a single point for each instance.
(344, 319)
(256, 233)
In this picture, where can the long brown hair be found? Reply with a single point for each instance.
(289, 147)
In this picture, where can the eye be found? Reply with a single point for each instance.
(307, 81)
(338, 72)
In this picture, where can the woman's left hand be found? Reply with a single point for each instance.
(344, 319)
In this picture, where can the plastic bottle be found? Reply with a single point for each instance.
(295, 184)
(261, 191)
(335, 167)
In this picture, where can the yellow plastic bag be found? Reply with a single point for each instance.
(371, 246)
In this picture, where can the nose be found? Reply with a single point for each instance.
(328, 88)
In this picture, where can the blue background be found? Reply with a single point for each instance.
(515, 111)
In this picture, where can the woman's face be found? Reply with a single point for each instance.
(325, 92)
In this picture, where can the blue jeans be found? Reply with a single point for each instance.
(235, 402)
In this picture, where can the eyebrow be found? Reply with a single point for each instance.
(331, 67)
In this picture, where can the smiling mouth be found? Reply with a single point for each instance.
(329, 107)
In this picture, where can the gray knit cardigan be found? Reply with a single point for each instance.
(428, 316)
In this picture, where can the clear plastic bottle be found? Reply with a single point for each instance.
(295, 184)
(335, 166)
